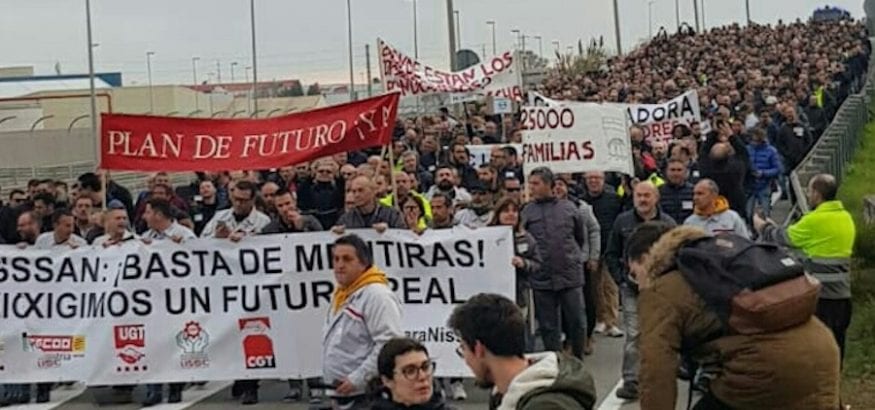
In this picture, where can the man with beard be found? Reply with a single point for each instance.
(442, 211)
(479, 211)
(61, 237)
(447, 183)
(491, 329)
(645, 199)
(368, 212)
(461, 160)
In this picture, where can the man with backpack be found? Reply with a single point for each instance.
(826, 237)
(702, 296)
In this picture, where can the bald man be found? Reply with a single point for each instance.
(646, 199)
(368, 213)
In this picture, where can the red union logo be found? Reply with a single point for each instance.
(257, 344)
(53, 344)
(130, 335)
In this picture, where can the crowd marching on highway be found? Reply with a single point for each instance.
(595, 252)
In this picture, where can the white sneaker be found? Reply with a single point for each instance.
(615, 332)
(457, 391)
(599, 328)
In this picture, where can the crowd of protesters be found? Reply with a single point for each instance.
(767, 93)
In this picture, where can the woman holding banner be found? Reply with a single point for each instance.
(526, 260)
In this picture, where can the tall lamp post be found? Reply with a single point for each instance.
(349, 33)
(458, 29)
(254, 60)
(650, 17)
(149, 55)
(233, 63)
(540, 46)
(415, 33)
(91, 90)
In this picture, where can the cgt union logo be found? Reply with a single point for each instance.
(193, 340)
(55, 349)
(257, 345)
(130, 341)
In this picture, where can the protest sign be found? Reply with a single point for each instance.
(657, 120)
(498, 76)
(576, 137)
(147, 143)
(480, 153)
(215, 310)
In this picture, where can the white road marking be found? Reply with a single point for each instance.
(611, 401)
(59, 397)
(192, 396)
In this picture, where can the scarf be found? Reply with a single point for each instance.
(720, 205)
(370, 276)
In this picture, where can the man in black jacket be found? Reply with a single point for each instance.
(322, 196)
(676, 195)
(289, 218)
(461, 160)
(645, 198)
(728, 168)
(793, 140)
(368, 212)
(606, 205)
(558, 227)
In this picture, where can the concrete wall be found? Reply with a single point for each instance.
(43, 148)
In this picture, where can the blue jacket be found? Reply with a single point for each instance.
(765, 159)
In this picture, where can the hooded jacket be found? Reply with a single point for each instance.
(797, 368)
(551, 382)
(606, 207)
(765, 159)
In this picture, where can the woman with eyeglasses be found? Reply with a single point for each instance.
(413, 210)
(407, 377)
(526, 259)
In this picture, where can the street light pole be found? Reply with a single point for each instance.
(556, 43)
(451, 23)
(696, 13)
(91, 90)
(540, 46)
(254, 61)
(458, 29)
(677, 13)
(747, 10)
(704, 24)
(491, 23)
(232, 70)
(617, 27)
(149, 55)
(516, 45)
(194, 61)
(349, 33)
(415, 33)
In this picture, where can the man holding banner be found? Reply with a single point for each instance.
(363, 316)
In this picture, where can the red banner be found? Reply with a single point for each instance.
(147, 143)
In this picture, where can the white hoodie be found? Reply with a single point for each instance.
(542, 372)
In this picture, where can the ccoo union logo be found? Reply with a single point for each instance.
(54, 350)
(193, 340)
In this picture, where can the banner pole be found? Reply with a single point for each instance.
(104, 187)
(395, 200)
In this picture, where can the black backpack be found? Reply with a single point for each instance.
(753, 287)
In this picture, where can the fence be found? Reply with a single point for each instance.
(835, 148)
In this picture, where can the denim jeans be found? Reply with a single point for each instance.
(761, 199)
(630, 325)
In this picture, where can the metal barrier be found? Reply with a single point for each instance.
(834, 150)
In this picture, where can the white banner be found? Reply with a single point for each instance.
(657, 120)
(480, 153)
(214, 310)
(576, 137)
(498, 76)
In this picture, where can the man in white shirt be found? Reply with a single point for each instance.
(61, 237)
(163, 227)
(161, 224)
(242, 219)
(116, 225)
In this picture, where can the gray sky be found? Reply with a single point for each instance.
(306, 39)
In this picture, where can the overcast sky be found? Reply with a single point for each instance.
(307, 39)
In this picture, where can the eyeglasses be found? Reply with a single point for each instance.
(411, 208)
(411, 373)
(513, 189)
